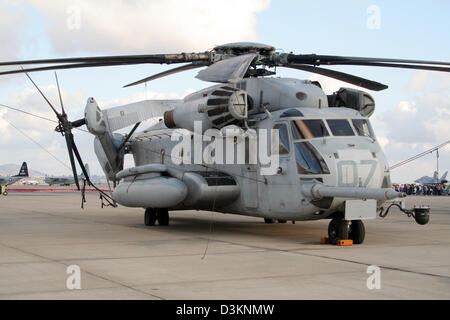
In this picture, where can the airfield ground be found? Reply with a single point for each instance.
(42, 233)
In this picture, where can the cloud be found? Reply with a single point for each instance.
(11, 19)
(418, 82)
(417, 125)
(147, 26)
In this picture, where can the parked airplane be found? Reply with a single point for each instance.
(433, 180)
(65, 181)
(6, 181)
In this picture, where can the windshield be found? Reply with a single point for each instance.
(363, 128)
(340, 127)
(283, 147)
(307, 129)
(309, 161)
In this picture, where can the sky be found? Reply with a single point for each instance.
(411, 116)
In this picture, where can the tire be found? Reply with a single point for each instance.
(357, 231)
(5, 193)
(163, 217)
(337, 230)
(150, 217)
(268, 220)
(281, 221)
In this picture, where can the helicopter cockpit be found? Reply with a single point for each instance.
(321, 142)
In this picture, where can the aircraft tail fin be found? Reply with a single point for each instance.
(435, 175)
(444, 175)
(23, 172)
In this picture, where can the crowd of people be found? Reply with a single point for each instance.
(423, 190)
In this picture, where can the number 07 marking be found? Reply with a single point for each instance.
(354, 169)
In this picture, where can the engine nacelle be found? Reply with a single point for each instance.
(354, 99)
(215, 108)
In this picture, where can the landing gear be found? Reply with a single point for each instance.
(337, 230)
(269, 220)
(340, 229)
(158, 214)
(150, 217)
(357, 231)
(163, 217)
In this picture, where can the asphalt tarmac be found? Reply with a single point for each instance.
(205, 255)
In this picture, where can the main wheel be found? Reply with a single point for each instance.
(357, 232)
(268, 220)
(150, 217)
(337, 230)
(163, 217)
(281, 221)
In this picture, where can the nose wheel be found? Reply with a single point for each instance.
(340, 229)
(357, 232)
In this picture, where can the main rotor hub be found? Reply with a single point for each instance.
(239, 48)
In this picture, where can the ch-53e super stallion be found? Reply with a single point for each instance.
(208, 151)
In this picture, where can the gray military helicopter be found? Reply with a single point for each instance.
(328, 163)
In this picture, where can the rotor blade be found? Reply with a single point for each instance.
(393, 65)
(71, 66)
(69, 143)
(59, 93)
(327, 59)
(166, 73)
(148, 58)
(45, 98)
(358, 81)
(75, 124)
(80, 161)
(230, 70)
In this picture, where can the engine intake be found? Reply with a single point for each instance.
(354, 99)
(215, 109)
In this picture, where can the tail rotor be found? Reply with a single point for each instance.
(65, 128)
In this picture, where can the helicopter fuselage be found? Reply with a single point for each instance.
(334, 146)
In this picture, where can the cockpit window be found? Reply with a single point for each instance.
(309, 160)
(284, 147)
(307, 129)
(363, 128)
(340, 127)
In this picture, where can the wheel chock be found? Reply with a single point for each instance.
(324, 240)
(344, 243)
